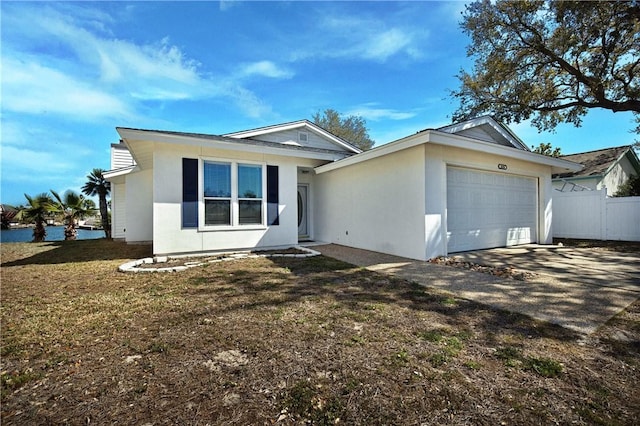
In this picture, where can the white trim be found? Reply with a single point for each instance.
(452, 140)
(119, 172)
(290, 126)
(479, 121)
(135, 135)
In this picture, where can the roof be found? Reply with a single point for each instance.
(597, 163)
(487, 129)
(140, 143)
(253, 133)
(438, 137)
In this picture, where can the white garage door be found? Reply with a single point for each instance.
(486, 210)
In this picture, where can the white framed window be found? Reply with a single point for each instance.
(232, 194)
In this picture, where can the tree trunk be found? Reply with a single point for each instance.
(106, 226)
(70, 231)
(39, 233)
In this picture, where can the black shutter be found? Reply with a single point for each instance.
(189, 193)
(272, 196)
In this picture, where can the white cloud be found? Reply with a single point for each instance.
(30, 162)
(29, 87)
(227, 4)
(98, 75)
(371, 112)
(265, 69)
(356, 37)
(386, 44)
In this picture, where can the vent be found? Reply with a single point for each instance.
(303, 137)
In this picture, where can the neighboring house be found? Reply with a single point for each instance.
(466, 186)
(605, 168)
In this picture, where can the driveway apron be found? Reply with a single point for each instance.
(576, 288)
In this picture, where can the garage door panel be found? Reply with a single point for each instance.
(486, 209)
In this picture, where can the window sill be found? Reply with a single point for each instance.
(232, 228)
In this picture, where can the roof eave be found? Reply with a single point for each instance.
(222, 142)
(487, 119)
(448, 139)
(290, 126)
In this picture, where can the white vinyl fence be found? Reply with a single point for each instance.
(591, 215)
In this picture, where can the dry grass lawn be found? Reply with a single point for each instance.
(287, 341)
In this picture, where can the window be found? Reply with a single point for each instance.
(232, 193)
(249, 194)
(217, 193)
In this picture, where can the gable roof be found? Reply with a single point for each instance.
(300, 124)
(599, 162)
(140, 144)
(486, 129)
(447, 139)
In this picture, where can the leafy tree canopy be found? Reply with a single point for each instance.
(547, 149)
(631, 188)
(551, 61)
(352, 129)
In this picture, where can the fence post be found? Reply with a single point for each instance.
(603, 214)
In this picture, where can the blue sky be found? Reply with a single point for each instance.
(72, 72)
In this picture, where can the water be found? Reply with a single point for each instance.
(54, 233)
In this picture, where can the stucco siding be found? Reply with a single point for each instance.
(439, 157)
(618, 175)
(376, 204)
(169, 236)
(139, 214)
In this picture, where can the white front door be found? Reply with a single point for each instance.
(303, 225)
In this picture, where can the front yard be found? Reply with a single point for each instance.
(287, 341)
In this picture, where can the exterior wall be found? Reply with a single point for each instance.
(139, 214)
(169, 236)
(288, 136)
(397, 203)
(118, 210)
(618, 175)
(481, 134)
(375, 205)
(439, 157)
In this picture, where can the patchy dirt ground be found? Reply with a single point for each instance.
(287, 341)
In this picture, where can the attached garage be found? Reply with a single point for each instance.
(468, 186)
(487, 209)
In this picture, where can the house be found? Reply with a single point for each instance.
(604, 168)
(461, 187)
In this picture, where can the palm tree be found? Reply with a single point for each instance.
(38, 207)
(73, 206)
(97, 185)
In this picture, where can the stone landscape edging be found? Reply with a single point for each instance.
(134, 265)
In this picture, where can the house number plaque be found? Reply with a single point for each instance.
(502, 166)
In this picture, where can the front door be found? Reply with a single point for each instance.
(303, 225)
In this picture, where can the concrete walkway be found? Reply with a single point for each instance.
(576, 288)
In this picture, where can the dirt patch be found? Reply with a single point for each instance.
(498, 271)
(619, 246)
(287, 341)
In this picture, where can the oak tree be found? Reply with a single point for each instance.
(352, 129)
(550, 61)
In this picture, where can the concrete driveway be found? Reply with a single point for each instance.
(576, 288)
